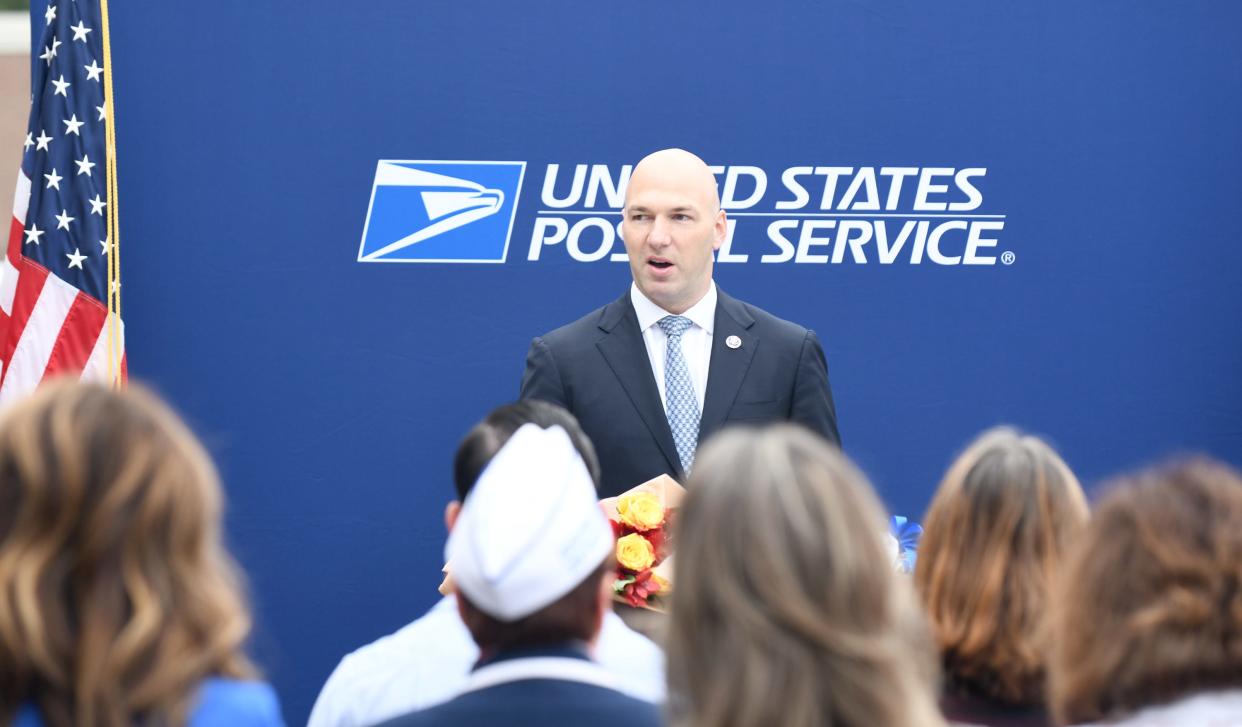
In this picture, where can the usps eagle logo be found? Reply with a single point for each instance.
(441, 211)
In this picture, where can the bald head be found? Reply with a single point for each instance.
(679, 170)
(671, 226)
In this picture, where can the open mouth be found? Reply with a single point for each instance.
(659, 263)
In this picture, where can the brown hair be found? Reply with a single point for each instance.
(116, 596)
(996, 533)
(1150, 605)
(786, 609)
(572, 617)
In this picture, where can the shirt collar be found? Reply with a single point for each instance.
(702, 314)
(568, 649)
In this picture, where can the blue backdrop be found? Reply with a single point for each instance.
(333, 391)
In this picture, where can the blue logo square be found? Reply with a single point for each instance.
(441, 211)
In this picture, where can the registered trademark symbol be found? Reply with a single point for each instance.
(1008, 257)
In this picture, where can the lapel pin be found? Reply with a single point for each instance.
(733, 342)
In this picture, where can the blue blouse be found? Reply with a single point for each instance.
(221, 703)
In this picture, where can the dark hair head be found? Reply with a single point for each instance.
(487, 437)
(1150, 604)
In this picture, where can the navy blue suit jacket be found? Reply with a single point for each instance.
(536, 703)
(597, 367)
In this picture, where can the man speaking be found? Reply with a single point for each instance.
(674, 359)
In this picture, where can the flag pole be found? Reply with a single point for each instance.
(114, 234)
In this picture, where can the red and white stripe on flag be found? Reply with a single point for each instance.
(47, 326)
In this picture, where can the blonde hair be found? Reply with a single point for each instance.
(116, 595)
(1150, 605)
(995, 535)
(786, 609)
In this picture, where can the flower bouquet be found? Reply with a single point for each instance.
(640, 519)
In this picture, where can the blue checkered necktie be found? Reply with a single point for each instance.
(680, 404)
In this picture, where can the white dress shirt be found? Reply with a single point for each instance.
(429, 661)
(696, 342)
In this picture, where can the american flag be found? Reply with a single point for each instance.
(56, 278)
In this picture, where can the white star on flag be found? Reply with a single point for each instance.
(79, 31)
(93, 71)
(72, 125)
(63, 219)
(102, 114)
(50, 13)
(62, 87)
(29, 141)
(75, 259)
(33, 234)
(53, 179)
(97, 206)
(103, 244)
(44, 140)
(85, 165)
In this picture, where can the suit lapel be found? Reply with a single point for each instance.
(626, 353)
(728, 365)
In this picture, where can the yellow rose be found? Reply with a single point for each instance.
(635, 552)
(640, 510)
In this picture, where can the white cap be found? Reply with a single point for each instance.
(531, 529)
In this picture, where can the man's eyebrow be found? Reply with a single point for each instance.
(679, 209)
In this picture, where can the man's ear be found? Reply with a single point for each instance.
(451, 511)
(720, 230)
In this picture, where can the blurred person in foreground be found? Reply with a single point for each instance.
(1147, 626)
(995, 536)
(531, 554)
(118, 604)
(429, 660)
(787, 609)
